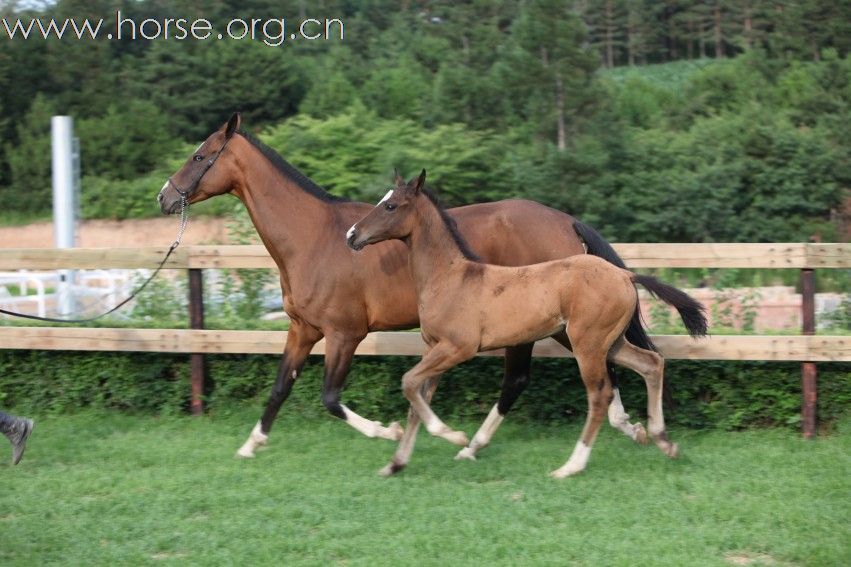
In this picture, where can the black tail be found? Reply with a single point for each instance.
(598, 246)
(691, 311)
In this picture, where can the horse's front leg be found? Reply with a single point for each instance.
(435, 362)
(406, 444)
(300, 341)
(339, 351)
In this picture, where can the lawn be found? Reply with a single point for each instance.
(113, 489)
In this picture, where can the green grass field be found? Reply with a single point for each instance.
(112, 489)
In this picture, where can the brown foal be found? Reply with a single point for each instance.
(466, 307)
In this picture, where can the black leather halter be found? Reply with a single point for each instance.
(190, 189)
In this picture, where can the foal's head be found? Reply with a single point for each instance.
(203, 175)
(392, 217)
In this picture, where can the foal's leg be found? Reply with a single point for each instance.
(300, 341)
(435, 362)
(406, 444)
(651, 366)
(518, 361)
(618, 418)
(592, 366)
(339, 351)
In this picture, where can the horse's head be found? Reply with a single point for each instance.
(198, 179)
(392, 217)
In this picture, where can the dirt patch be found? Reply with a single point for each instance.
(119, 234)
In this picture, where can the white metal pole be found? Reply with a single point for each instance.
(64, 208)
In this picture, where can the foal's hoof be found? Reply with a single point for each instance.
(396, 431)
(673, 451)
(457, 438)
(390, 469)
(244, 453)
(466, 453)
(640, 434)
(565, 472)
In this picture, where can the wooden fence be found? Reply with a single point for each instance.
(805, 348)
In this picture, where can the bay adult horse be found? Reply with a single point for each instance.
(330, 293)
(466, 306)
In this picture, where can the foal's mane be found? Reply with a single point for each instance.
(290, 171)
(452, 227)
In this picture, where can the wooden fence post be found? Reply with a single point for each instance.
(809, 379)
(197, 362)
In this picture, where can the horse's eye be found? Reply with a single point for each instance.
(389, 206)
(198, 157)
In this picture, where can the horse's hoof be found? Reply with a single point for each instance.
(390, 469)
(673, 451)
(457, 438)
(396, 431)
(640, 434)
(565, 472)
(466, 453)
(244, 453)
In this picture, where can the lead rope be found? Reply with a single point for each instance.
(184, 219)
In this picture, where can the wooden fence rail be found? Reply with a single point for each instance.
(806, 348)
(643, 255)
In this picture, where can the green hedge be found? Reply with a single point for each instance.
(705, 394)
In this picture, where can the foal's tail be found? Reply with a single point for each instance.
(691, 311)
(596, 245)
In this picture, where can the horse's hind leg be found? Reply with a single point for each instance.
(618, 418)
(592, 366)
(409, 437)
(518, 361)
(651, 366)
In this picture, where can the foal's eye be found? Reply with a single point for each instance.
(198, 157)
(389, 206)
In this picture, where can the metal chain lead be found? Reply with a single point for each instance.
(184, 219)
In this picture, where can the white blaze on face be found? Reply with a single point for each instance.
(164, 186)
(198, 149)
(387, 196)
(350, 232)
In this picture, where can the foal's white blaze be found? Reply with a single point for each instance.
(386, 196)
(576, 463)
(164, 186)
(255, 439)
(350, 232)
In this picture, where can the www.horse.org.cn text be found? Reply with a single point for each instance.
(273, 32)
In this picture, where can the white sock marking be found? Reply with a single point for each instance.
(255, 439)
(576, 463)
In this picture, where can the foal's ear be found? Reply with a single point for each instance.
(232, 125)
(419, 183)
(398, 179)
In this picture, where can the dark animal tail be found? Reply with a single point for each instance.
(598, 246)
(691, 311)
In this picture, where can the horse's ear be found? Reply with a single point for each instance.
(397, 179)
(420, 182)
(232, 125)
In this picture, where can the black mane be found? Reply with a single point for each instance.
(290, 170)
(452, 226)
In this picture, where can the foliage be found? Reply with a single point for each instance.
(496, 99)
(706, 394)
(28, 161)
